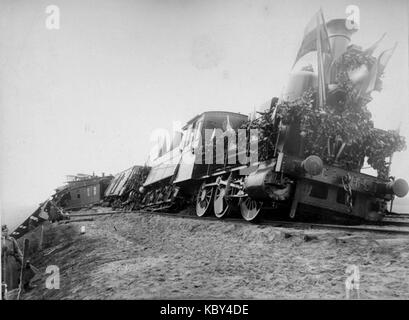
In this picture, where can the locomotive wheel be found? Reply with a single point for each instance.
(203, 200)
(221, 205)
(250, 208)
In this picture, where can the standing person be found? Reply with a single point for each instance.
(56, 213)
(11, 260)
(53, 212)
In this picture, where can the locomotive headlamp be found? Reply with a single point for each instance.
(313, 165)
(399, 188)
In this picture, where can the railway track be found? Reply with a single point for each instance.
(400, 224)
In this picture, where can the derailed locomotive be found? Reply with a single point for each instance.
(286, 181)
(297, 169)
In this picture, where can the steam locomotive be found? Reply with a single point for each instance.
(285, 181)
(289, 180)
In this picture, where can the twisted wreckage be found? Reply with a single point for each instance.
(311, 144)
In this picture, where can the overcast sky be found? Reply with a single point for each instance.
(86, 97)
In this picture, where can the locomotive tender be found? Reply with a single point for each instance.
(289, 180)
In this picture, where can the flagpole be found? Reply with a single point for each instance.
(321, 88)
(390, 164)
(1, 253)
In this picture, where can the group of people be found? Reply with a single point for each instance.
(12, 257)
(11, 264)
(52, 212)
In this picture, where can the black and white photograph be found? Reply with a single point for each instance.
(204, 151)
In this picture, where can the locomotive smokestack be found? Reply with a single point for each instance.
(339, 36)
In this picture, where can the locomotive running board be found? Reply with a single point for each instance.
(221, 172)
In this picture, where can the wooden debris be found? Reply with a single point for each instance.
(308, 238)
(392, 242)
(346, 239)
(287, 235)
(76, 220)
(97, 214)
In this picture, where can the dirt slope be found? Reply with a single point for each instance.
(144, 256)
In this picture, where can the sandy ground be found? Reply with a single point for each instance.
(146, 256)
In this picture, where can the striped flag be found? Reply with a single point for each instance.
(315, 30)
(316, 39)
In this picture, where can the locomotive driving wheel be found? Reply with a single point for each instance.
(203, 200)
(222, 204)
(250, 208)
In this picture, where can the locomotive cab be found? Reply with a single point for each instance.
(188, 160)
(199, 153)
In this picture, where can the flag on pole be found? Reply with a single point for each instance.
(372, 48)
(371, 82)
(383, 60)
(315, 29)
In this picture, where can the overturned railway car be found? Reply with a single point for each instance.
(122, 190)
